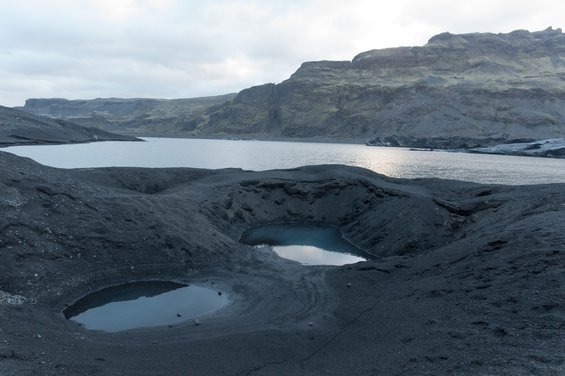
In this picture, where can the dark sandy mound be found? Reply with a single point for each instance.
(21, 128)
(469, 278)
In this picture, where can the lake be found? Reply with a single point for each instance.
(266, 155)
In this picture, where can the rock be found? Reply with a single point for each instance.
(445, 87)
(9, 299)
(552, 148)
(22, 128)
(130, 116)
(464, 271)
(451, 143)
(472, 89)
(245, 206)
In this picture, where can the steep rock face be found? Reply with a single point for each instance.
(21, 128)
(472, 85)
(476, 87)
(133, 116)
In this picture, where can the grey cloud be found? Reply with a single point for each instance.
(174, 48)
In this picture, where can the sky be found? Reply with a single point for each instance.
(85, 49)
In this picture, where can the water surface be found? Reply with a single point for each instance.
(266, 155)
(307, 244)
(143, 304)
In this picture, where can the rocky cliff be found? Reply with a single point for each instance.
(21, 128)
(138, 116)
(475, 87)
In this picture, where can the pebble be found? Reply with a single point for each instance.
(196, 322)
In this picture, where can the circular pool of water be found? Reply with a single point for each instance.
(307, 244)
(144, 304)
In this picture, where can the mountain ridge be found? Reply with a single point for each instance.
(22, 128)
(134, 116)
(477, 86)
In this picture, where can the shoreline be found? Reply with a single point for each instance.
(558, 154)
(465, 271)
(363, 141)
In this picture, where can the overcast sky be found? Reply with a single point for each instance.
(83, 49)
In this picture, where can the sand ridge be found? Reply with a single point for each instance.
(468, 278)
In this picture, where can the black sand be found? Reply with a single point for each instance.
(469, 281)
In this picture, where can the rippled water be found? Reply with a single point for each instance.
(265, 155)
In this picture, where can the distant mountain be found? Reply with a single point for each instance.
(475, 86)
(135, 116)
(22, 128)
(481, 88)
